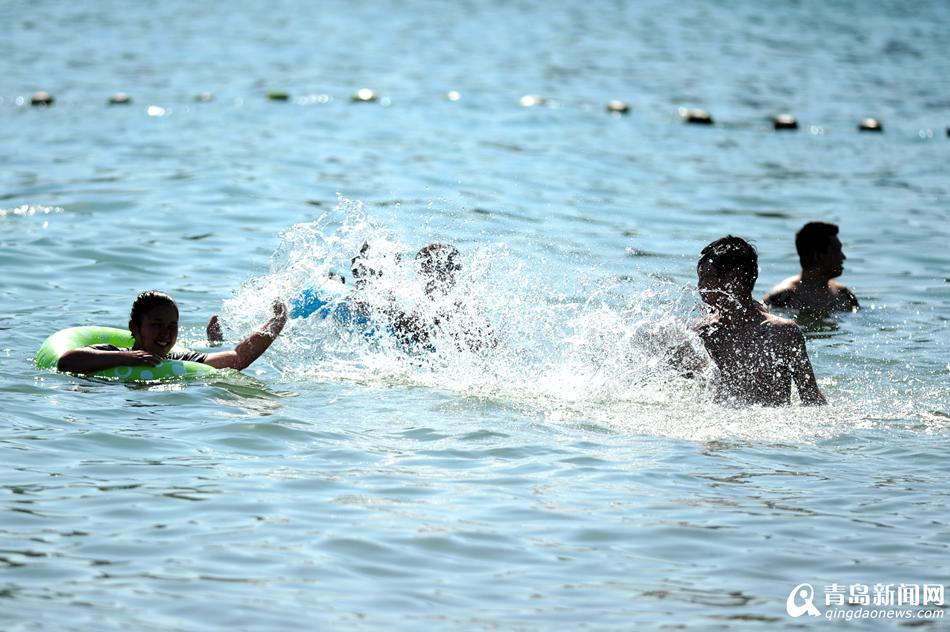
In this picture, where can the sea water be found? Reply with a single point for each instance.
(564, 478)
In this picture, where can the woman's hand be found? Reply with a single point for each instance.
(141, 357)
(215, 336)
(276, 324)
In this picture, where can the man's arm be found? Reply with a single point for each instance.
(480, 336)
(802, 372)
(475, 330)
(253, 346)
(686, 361)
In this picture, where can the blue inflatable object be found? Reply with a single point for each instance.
(316, 302)
(330, 302)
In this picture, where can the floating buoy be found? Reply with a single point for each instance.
(42, 99)
(364, 95)
(870, 125)
(784, 121)
(618, 107)
(531, 100)
(453, 95)
(120, 98)
(204, 97)
(696, 116)
(278, 95)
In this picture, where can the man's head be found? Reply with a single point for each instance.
(727, 267)
(153, 322)
(819, 248)
(438, 264)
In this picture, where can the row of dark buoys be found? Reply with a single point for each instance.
(692, 116)
(788, 122)
(363, 95)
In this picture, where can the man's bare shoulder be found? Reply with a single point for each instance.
(782, 326)
(793, 340)
(844, 297)
(784, 292)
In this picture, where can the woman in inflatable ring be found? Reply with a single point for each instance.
(153, 323)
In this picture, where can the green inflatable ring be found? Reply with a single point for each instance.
(76, 337)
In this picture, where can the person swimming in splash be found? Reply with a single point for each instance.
(153, 322)
(364, 272)
(757, 355)
(438, 265)
(814, 288)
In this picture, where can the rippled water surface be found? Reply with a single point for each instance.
(565, 479)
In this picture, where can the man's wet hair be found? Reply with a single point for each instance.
(439, 259)
(146, 302)
(812, 240)
(732, 253)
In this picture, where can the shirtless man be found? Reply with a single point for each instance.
(819, 251)
(758, 355)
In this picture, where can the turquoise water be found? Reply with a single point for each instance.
(565, 480)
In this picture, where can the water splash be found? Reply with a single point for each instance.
(28, 210)
(506, 333)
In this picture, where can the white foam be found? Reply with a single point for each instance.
(602, 358)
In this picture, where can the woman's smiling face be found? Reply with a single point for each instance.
(157, 332)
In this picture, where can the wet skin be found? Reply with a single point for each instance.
(814, 288)
(758, 355)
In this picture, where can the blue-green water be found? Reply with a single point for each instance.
(565, 481)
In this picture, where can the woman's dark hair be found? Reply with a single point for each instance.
(733, 253)
(146, 302)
